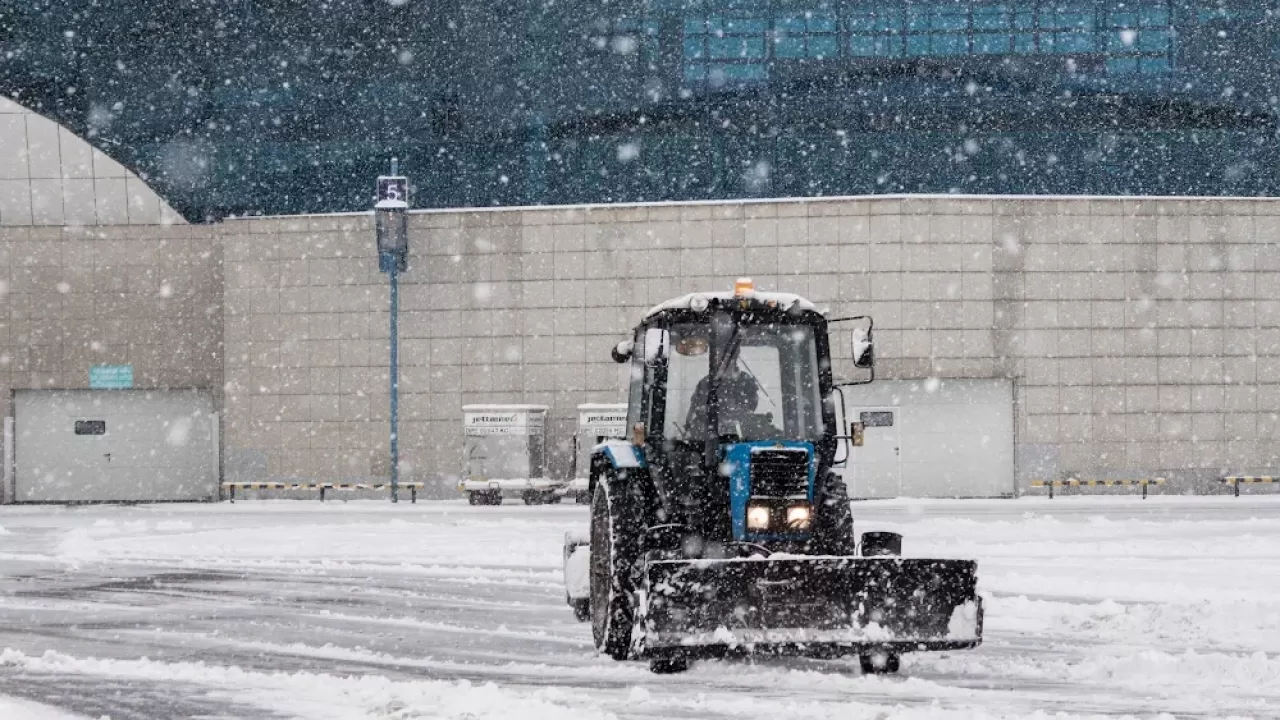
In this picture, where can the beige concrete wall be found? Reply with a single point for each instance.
(149, 296)
(1141, 336)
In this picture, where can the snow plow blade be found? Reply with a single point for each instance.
(808, 605)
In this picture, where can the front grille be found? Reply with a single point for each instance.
(780, 473)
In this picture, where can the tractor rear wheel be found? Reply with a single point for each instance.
(611, 612)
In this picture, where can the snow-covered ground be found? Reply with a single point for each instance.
(1096, 607)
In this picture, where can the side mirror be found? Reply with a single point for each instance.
(622, 351)
(864, 354)
(657, 346)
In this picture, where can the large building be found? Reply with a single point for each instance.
(1046, 206)
(284, 108)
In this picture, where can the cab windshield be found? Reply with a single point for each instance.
(766, 383)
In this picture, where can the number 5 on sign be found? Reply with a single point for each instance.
(393, 188)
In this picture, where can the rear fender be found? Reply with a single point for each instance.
(618, 458)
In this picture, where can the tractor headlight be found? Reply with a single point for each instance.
(799, 517)
(758, 517)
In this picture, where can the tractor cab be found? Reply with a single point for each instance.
(735, 389)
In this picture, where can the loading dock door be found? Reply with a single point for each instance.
(874, 470)
(950, 438)
(114, 445)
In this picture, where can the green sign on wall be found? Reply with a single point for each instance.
(111, 377)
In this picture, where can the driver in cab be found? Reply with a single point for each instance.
(737, 396)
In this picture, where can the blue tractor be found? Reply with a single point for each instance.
(719, 527)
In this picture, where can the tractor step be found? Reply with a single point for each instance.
(803, 605)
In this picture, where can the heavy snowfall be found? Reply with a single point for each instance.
(1102, 606)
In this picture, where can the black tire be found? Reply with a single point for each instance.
(582, 498)
(611, 613)
(495, 497)
(871, 667)
(668, 664)
(833, 526)
(553, 499)
(531, 497)
(581, 609)
(471, 499)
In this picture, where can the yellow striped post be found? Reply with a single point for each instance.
(1076, 482)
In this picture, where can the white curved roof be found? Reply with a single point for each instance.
(786, 301)
(51, 176)
(504, 408)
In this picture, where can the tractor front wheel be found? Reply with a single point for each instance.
(833, 528)
(611, 613)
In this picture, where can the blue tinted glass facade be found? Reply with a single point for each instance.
(281, 106)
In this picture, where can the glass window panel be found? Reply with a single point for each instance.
(1024, 42)
(889, 19)
(746, 26)
(1124, 19)
(744, 71)
(918, 20)
(990, 43)
(693, 47)
(716, 24)
(892, 46)
(1154, 16)
(695, 25)
(791, 23)
(950, 44)
(822, 22)
(735, 47)
(994, 17)
(1024, 19)
(863, 45)
(789, 47)
(917, 45)
(1075, 20)
(1154, 66)
(695, 71)
(824, 46)
(1073, 43)
(1153, 40)
(950, 20)
(1122, 66)
(723, 47)
(1122, 40)
(862, 22)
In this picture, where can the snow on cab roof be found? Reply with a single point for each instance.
(507, 408)
(602, 406)
(684, 302)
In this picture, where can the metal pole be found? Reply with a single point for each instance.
(395, 384)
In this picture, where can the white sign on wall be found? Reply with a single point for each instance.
(606, 423)
(501, 423)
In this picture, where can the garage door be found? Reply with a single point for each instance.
(114, 445)
(948, 438)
